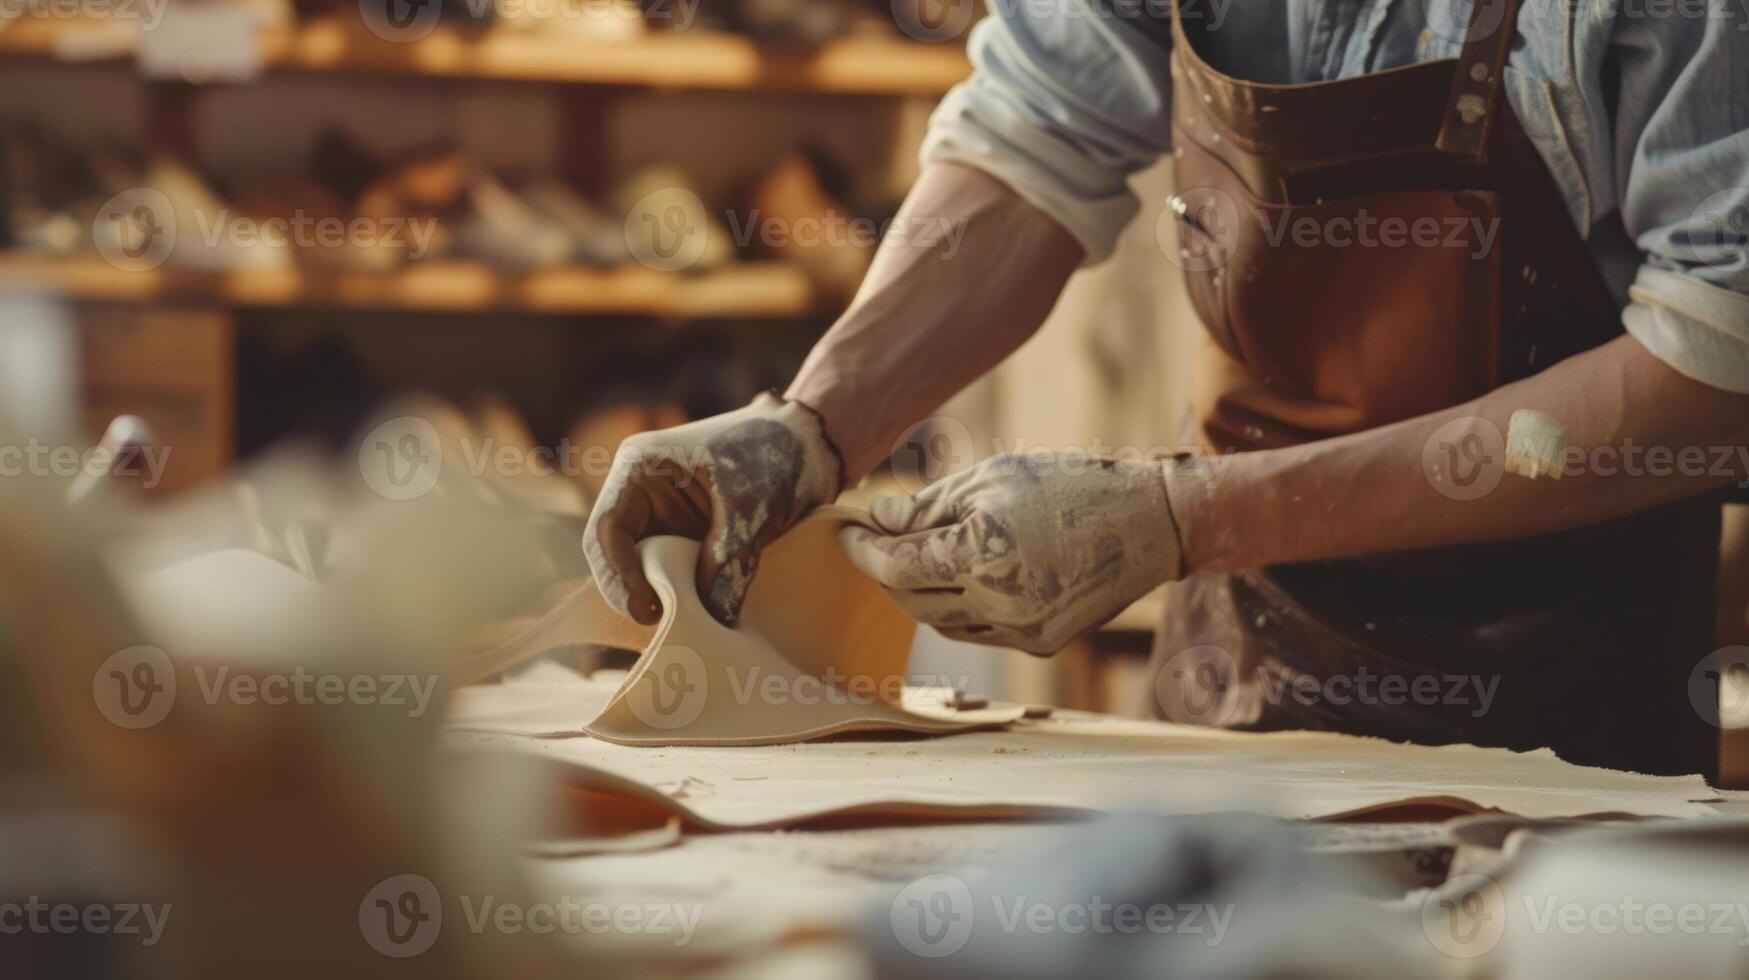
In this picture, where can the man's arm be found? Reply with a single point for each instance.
(1638, 434)
(968, 275)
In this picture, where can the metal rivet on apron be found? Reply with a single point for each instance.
(1479, 72)
(1471, 108)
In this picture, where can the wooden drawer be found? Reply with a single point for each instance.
(166, 349)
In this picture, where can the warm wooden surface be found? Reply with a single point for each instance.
(853, 66)
(753, 289)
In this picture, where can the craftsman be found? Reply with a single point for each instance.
(1345, 512)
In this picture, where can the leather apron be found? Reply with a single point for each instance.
(1584, 641)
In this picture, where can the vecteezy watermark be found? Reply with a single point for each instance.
(1452, 22)
(1199, 229)
(1471, 914)
(37, 458)
(1200, 686)
(1365, 687)
(941, 445)
(1718, 687)
(34, 916)
(403, 916)
(401, 458)
(837, 230)
(136, 687)
(148, 14)
(670, 229)
(1466, 458)
(137, 230)
(936, 21)
(407, 21)
(1718, 230)
(1465, 917)
(935, 916)
(671, 691)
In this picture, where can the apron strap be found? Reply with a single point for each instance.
(1475, 84)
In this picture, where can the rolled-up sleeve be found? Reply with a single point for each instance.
(1682, 151)
(1062, 108)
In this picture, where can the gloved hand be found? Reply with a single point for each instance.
(733, 481)
(1025, 551)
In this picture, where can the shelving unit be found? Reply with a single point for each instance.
(162, 342)
(854, 66)
(746, 290)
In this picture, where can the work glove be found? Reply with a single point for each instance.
(1025, 551)
(733, 481)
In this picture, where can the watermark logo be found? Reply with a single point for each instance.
(932, 917)
(135, 230)
(40, 918)
(135, 688)
(671, 692)
(1198, 686)
(933, 21)
(1198, 229)
(1465, 459)
(402, 916)
(1719, 227)
(1718, 687)
(1451, 21)
(1465, 917)
(401, 21)
(668, 230)
(932, 449)
(402, 458)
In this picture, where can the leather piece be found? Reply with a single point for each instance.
(1078, 763)
(820, 650)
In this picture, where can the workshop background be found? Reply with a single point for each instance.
(256, 224)
(477, 199)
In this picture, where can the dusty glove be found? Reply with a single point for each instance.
(733, 481)
(1024, 551)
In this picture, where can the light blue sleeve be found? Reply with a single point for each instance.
(1681, 167)
(1064, 103)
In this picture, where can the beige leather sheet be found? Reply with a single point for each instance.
(1071, 763)
(820, 650)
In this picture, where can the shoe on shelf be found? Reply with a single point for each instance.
(597, 238)
(587, 21)
(829, 242)
(206, 233)
(667, 226)
(502, 230)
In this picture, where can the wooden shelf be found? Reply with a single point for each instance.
(770, 290)
(725, 62)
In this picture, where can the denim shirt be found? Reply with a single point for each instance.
(1640, 109)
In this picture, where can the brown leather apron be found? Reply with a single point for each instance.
(1582, 641)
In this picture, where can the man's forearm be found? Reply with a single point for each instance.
(1370, 492)
(969, 274)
